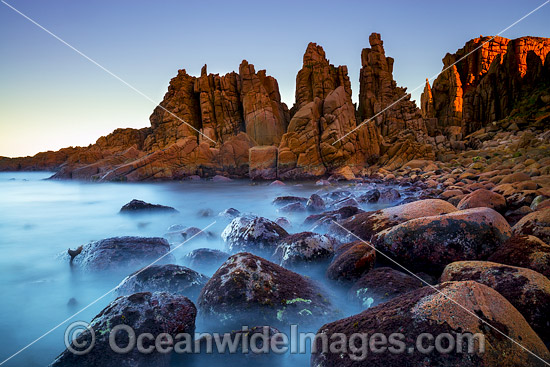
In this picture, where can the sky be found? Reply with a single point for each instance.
(52, 97)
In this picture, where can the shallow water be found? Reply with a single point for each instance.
(40, 219)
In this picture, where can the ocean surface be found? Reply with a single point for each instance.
(40, 219)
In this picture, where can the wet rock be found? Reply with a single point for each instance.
(292, 208)
(536, 224)
(229, 213)
(524, 251)
(277, 183)
(429, 243)
(483, 198)
(526, 289)
(205, 213)
(205, 260)
(347, 202)
(219, 178)
(283, 222)
(255, 234)
(121, 253)
(174, 279)
(381, 285)
(370, 196)
(146, 312)
(366, 225)
(427, 311)
(326, 219)
(351, 261)
(285, 200)
(303, 249)
(188, 233)
(139, 206)
(315, 203)
(389, 195)
(248, 289)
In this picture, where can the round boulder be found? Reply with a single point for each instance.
(168, 278)
(302, 249)
(206, 260)
(526, 252)
(526, 289)
(351, 261)
(255, 234)
(434, 311)
(536, 224)
(139, 206)
(248, 289)
(483, 198)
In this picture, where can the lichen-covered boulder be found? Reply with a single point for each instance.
(434, 311)
(303, 249)
(123, 253)
(170, 278)
(536, 224)
(254, 234)
(380, 285)
(428, 244)
(526, 252)
(248, 289)
(205, 260)
(351, 261)
(365, 225)
(526, 289)
(145, 312)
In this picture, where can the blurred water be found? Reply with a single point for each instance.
(40, 219)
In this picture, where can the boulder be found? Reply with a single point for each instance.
(434, 311)
(381, 285)
(123, 253)
(371, 196)
(138, 206)
(285, 200)
(248, 289)
(325, 219)
(351, 261)
(525, 289)
(483, 198)
(174, 279)
(429, 243)
(146, 312)
(205, 260)
(315, 203)
(263, 163)
(303, 249)
(525, 251)
(536, 224)
(251, 233)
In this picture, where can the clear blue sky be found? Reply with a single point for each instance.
(52, 97)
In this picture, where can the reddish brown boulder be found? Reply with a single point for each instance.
(434, 311)
(483, 198)
(351, 261)
(526, 289)
(536, 224)
(524, 251)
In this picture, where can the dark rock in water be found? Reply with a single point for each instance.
(389, 195)
(351, 261)
(315, 203)
(425, 310)
(205, 213)
(219, 178)
(526, 289)
(121, 253)
(429, 243)
(365, 225)
(302, 249)
(526, 252)
(285, 200)
(380, 285)
(255, 234)
(187, 233)
(72, 302)
(230, 213)
(146, 312)
(176, 227)
(371, 196)
(346, 202)
(138, 206)
(170, 278)
(536, 224)
(325, 219)
(205, 259)
(248, 289)
(292, 208)
(283, 222)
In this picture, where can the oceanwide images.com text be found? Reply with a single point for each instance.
(80, 339)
